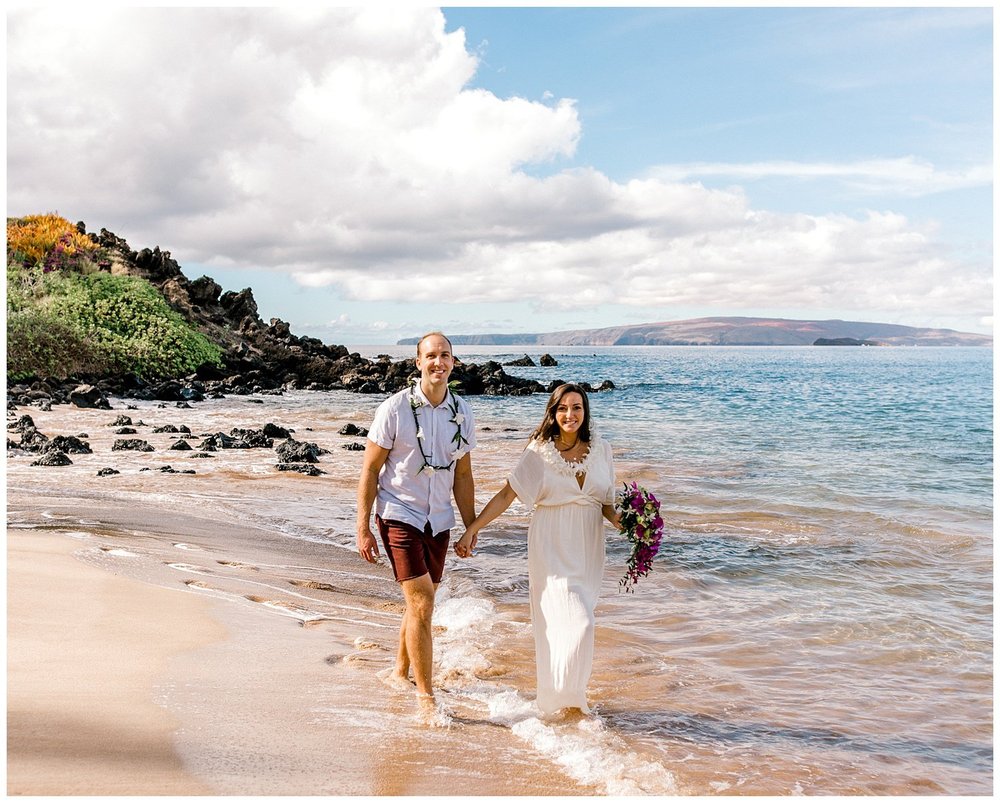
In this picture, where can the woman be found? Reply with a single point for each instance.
(568, 477)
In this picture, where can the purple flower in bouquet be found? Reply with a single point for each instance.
(641, 524)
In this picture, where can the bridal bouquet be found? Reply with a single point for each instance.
(639, 513)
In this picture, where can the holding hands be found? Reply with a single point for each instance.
(497, 505)
(467, 543)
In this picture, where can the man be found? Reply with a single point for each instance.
(417, 456)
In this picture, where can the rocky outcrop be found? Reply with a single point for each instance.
(293, 455)
(258, 357)
(89, 396)
(53, 458)
(220, 440)
(253, 438)
(131, 445)
(276, 432)
(301, 468)
(293, 451)
(524, 362)
(172, 429)
(229, 319)
(70, 444)
(32, 440)
(23, 423)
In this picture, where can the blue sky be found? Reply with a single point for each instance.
(372, 175)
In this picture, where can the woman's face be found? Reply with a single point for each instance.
(570, 415)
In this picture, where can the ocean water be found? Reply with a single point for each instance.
(824, 594)
(818, 620)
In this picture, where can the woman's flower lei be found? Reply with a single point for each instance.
(639, 514)
(458, 439)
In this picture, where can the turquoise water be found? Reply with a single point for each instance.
(906, 428)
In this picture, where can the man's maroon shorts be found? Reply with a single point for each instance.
(411, 552)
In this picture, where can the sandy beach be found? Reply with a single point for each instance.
(164, 683)
(231, 657)
(81, 678)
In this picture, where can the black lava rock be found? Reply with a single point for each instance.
(301, 468)
(53, 458)
(131, 445)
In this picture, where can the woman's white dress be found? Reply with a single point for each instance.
(565, 563)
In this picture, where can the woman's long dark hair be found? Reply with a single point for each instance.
(548, 430)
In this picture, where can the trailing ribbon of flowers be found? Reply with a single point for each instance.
(639, 513)
(458, 439)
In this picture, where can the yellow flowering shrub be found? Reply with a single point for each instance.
(47, 240)
(67, 317)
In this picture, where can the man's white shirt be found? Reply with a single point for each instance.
(405, 492)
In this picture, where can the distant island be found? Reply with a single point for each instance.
(734, 331)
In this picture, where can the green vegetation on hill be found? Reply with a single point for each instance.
(67, 316)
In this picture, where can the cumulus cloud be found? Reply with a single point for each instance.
(346, 147)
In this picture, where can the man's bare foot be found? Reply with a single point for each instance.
(431, 713)
(392, 678)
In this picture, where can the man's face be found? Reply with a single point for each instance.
(435, 361)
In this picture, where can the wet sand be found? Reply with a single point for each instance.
(81, 716)
(157, 652)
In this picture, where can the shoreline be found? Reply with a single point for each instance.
(243, 693)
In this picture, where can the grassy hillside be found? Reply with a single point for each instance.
(67, 315)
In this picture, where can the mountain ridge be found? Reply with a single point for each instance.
(733, 331)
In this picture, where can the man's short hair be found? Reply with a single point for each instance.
(432, 334)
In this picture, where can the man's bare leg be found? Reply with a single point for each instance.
(402, 670)
(416, 645)
(399, 675)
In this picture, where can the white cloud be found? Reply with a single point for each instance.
(344, 329)
(345, 147)
(900, 177)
